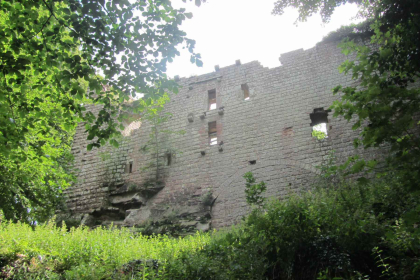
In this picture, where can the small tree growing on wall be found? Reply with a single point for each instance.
(158, 138)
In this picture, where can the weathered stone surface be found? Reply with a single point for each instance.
(148, 188)
(127, 200)
(203, 227)
(88, 220)
(189, 210)
(188, 223)
(138, 216)
(269, 134)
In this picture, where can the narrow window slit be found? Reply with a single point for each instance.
(213, 133)
(245, 89)
(212, 99)
(130, 167)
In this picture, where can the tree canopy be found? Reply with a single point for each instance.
(307, 8)
(56, 56)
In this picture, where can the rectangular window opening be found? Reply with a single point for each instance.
(130, 167)
(168, 159)
(319, 119)
(213, 133)
(245, 89)
(212, 99)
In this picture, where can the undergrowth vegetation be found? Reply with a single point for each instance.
(50, 252)
(346, 231)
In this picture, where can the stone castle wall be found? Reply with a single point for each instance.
(268, 134)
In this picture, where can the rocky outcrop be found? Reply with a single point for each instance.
(129, 205)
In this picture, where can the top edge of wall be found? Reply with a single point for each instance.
(286, 59)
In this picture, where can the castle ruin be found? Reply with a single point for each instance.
(239, 118)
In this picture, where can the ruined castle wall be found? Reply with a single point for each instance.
(269, 134)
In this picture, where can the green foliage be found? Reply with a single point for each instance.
(388, 99)
(386, 102)
(381, 262)
(159, 138)
(208, 199)
(332, 174)
(50, 54)
(254, 191)
(83, 253)
(34, 173)
(327, 234)
(347, 232)
(328, 167)
(144, 33)
(357, 31)
(35, 134)
(307, 8)
(319, 134)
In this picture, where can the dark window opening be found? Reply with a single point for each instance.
(245, 89)
(212, 99)
(168, 159)
(213, 133)
(252, 162)
(130, 167)
(319, 119)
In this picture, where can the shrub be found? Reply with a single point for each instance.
(326, 234)
(346, 232)
(254, 191)
(207, 199)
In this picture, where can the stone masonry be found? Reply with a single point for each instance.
(268, 133)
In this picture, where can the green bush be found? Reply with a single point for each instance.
(254, 191)
(327, 234)
(342, 232)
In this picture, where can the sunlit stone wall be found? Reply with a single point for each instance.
(263, 124)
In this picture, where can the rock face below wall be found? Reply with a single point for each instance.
(127, 206)
(258, 119)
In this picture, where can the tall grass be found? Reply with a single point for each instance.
(109, 248)
(345, 231)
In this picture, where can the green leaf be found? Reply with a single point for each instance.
(114, 143)
(363, 181)
(51, 65)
